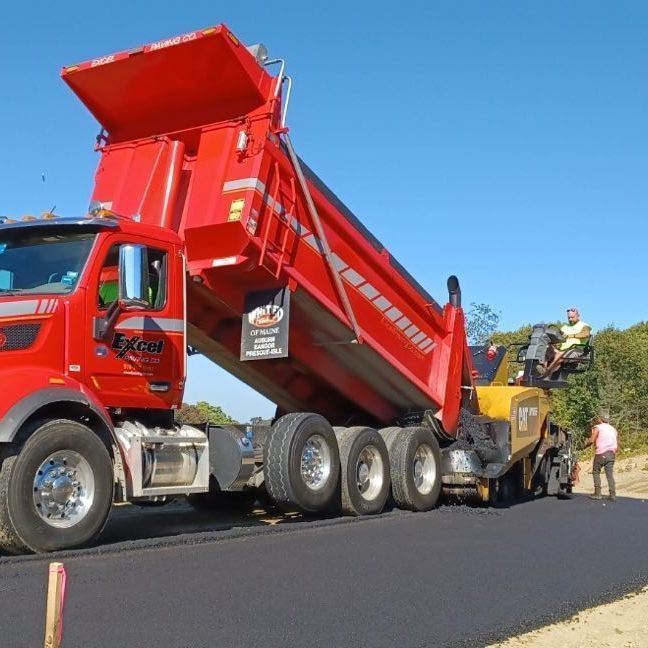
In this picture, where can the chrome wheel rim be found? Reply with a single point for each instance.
(369, 472)
(424, 469)
(315, 465)
(64, 489)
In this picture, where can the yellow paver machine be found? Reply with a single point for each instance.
(509, 445)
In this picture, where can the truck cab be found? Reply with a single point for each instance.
(93, 340)
(96, 304)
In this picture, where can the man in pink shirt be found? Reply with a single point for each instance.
(605, 441)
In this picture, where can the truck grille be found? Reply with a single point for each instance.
(18, 336)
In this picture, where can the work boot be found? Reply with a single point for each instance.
(612, 497)
(596, 496)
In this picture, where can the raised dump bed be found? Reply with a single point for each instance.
(194, 125)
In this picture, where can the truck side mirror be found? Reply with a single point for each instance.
(133, 277)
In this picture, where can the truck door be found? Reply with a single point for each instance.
(140, 361)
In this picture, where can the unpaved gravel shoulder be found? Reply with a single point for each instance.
(630, 475)
(621, 624)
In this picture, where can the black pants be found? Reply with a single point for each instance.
(605, 461)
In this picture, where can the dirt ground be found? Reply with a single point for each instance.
(630, 474)
(621, 624)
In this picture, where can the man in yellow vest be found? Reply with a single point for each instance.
(577, 334)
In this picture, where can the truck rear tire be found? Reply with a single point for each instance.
(56, 493)
(301, 465)
(364, 479)
(415, 466)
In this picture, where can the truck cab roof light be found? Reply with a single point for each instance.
(101, 210)
(103, 213)
(98, 209)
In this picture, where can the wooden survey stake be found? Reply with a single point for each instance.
(55, 600)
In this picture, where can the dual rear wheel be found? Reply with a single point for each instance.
(415, 462)
(364, 483)
(312, 467)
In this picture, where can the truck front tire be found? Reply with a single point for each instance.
(301, 465)
(56, 493)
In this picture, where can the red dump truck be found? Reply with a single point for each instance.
(206, 233)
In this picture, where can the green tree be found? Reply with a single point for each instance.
(622, 371)
(481, 323)
(574, 407)
(202, 412)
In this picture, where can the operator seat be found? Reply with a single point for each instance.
(577, 356)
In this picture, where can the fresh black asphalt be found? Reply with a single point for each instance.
(454, 576)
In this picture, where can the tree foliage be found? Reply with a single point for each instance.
(202, 412)
(481, 323)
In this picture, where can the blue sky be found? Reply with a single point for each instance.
(505, 142)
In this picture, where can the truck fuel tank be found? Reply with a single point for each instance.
(231, 456)
(161, 461)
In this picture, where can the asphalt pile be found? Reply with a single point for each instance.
(473, 435)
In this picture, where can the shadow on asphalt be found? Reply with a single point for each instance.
(129, 522)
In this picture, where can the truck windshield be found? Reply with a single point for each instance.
(42, 262)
